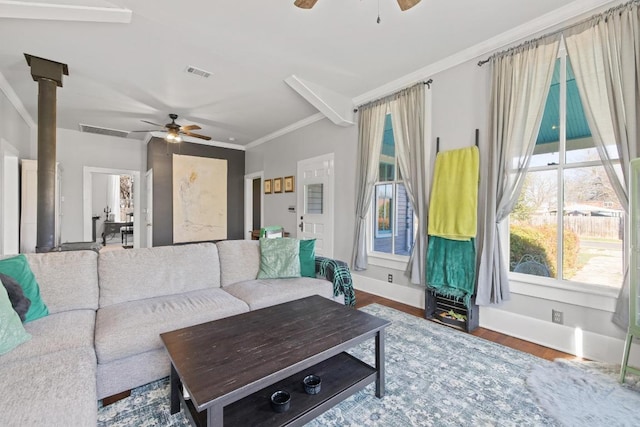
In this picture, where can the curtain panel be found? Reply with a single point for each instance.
(520, 82)
(605, 56)
(408, 117)
(370, 130)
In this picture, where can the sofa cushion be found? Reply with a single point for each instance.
(137, 274)
(57, 389)
(260, 293)
(239, 260)
(308, 258)
(134, 327)
(279, 258)
(12, 333)
(19, 301)
(68, 280)
(18, 268)
(55, 333)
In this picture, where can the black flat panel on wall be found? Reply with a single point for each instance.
(159, 158)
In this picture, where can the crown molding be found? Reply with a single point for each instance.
(11, 95)
(285, 130)
(64, 12)
(564, 15)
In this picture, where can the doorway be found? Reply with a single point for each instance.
(122, 213)
(253, 203)
(315, 202)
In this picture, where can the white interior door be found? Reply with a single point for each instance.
(9, 200)
(149, 209)
(315, 202)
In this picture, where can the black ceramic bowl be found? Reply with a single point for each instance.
(312, 384)
(280, 401)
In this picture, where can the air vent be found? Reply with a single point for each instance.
(198, 72)
(103, 131)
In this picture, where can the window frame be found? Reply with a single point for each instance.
(573, 292)
(384, 259)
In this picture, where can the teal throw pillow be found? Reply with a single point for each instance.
(18, 268)
(12, 333)
(308, 258)
(279, 258)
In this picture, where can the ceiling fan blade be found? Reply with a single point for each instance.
(196, 135)
(189, 127)
(407, 4)
(151, 123)
(305, 4)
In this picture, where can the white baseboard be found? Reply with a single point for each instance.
(594, 346)
(409, 295)
(570, 340)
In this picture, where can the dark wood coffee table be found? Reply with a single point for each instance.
(230, 367)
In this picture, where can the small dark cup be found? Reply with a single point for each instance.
(280, 401)
(312, 384)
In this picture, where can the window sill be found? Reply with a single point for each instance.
(396, 262)
(580, 294)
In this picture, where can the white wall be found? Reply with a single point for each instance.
(77, 150)
(13, 128)
(99, 200)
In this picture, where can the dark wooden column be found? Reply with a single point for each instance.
(48, 74)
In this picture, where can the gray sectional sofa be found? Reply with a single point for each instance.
(107, 311)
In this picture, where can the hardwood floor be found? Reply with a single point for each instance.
(364, 299)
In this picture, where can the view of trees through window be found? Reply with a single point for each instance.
(393, 219)
(568, 223)
(126, 196)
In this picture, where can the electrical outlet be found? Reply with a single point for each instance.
(390, 278)
(556, 317)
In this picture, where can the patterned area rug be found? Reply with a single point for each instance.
(436, 376)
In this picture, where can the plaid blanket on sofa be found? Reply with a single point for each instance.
(338, 273)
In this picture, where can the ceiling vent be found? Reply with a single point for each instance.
(198, 72)
(103, 131)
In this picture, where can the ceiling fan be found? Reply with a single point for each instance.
(174, 130)
(404, 4)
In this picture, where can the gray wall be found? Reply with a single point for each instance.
(159, 158)
(77, 150)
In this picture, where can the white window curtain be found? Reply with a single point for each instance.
(370, 130)
(408, 116)
(113, 196)
(605, 53)
(520, 80)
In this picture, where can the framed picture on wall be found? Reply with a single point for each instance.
(289, 184)
(277, 185)
(267, 186)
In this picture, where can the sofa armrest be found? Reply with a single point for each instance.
(338, 273)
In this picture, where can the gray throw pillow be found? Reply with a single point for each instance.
(19, 301)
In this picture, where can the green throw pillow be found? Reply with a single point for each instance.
(18, 268)
(12, 333)
(279, 258)
(308, 258)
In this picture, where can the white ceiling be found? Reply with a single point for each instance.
(121, 73)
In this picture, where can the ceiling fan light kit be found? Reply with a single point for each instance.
(174, 130)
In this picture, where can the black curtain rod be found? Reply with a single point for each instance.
(561, 30)
(426, 82)
(477, 141)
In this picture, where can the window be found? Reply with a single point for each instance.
(393, 219)
(568, 222)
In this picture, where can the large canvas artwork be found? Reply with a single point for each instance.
(199, 199)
